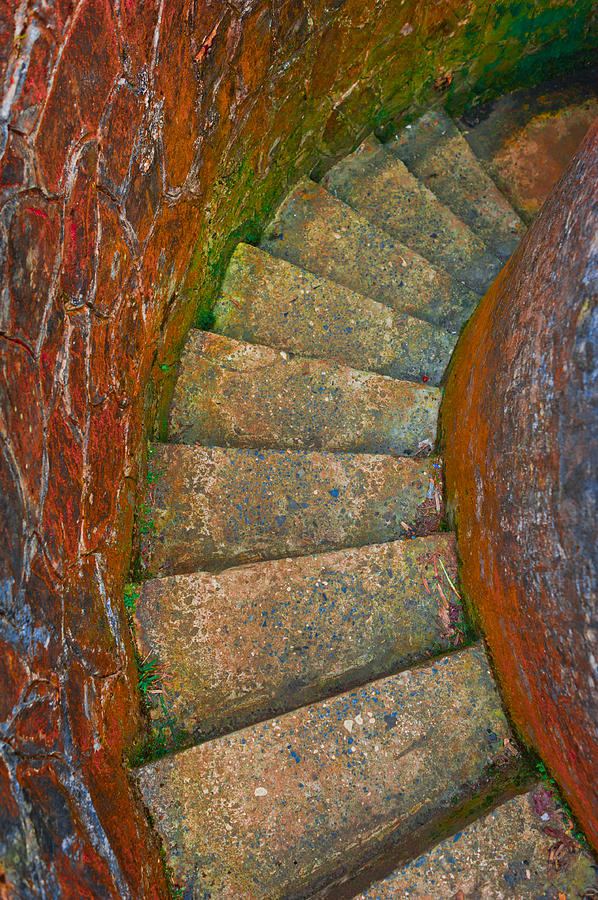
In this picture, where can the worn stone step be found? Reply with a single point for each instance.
(314, 230)
(522, 850)
(255, 641)
(234, 394)
(269, 301)
(212, 507)
(283, 808)
(526, 140)
(436, 152)
(377, 184)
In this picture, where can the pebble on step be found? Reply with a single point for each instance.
(265, 300)
(234, 394)
(318, 232)
(213, 507)
(261, 639)
(523, 850)
(379, 186)
(288, 806)
(435, 151)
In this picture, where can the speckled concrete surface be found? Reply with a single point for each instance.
(282, 808)
(314, 230)
(436, 152)
(523, 850)
(265, 300)
(217, 507)
(235, 394)
(379, 186)
(312, 581)
(261, 639)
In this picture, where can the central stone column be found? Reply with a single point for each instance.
(520, 427)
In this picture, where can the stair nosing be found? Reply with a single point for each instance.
(373, 225)
(392, 159)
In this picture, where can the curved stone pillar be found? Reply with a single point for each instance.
(520, 423)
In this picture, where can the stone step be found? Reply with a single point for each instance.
(436, 152)
(314, 230)
(378, 185)
(233, 394)
(212, 507)
(523, 850)
(265, 300)
(258, 640)
(288, 806)
(526, 140)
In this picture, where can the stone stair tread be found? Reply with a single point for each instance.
(235, 394)
(543, 122)
(266, 300)
(258, 640)
(508, 854)
(436, 152)
(318, 232)
(210, 507)
(285, 807)
(377, 184)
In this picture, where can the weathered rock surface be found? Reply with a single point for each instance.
(380, 187)
(523, 850)
(269, 301)
(235, 394)
(314, 230)
(435, 151)
(521, 410)
(544, 123)
(291, 805)
(219, 507)
(258, 640)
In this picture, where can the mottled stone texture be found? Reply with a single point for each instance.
(521, 426)
(293, 807)
(139, 141)
(520, 851)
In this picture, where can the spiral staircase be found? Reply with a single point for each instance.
(324, 720)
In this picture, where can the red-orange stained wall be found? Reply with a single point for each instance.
(520, 424)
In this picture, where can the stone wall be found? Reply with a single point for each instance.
(521, 422)
(139, 140)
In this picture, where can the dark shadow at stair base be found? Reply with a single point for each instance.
(458, 817)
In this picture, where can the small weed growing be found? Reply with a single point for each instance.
(145, 522)
(132, 594)
(571, 825)
(149, 673)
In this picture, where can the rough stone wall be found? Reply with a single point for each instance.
(521, 422)
(139, 140)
